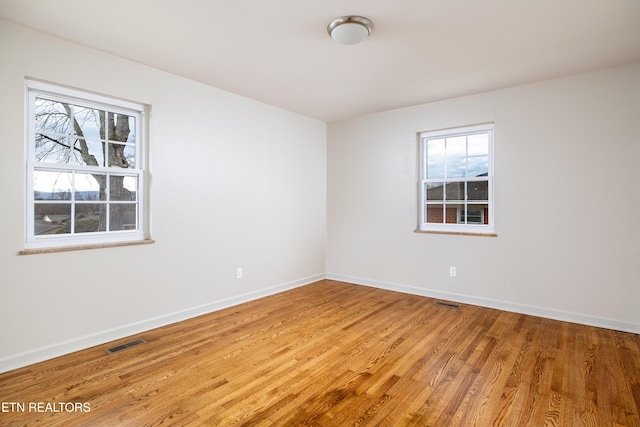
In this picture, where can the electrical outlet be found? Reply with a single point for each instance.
(452, 271)
(239, 273)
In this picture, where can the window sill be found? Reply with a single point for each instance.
(457, 233)
(83, 247)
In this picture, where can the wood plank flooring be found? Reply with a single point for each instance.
(337, 354)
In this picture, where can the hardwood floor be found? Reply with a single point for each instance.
(336, 354)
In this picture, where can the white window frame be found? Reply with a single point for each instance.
(53, 92)
(423, 225)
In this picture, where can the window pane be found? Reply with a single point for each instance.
(51, 118)
(132, 130)
(435, 191)
(90, 186)
(478, 190)
(435, 170)
(435, 214)
(130, 155)
(435, 149)
(455, 191)
(88, 120)
(51, 218)
(123, 188)
(90, 217)
(120, 127)
(452, 213)
(54, 149)
(52, 185)
(122, 217)
(457, 168)
(478, 144)
(122, 156)
(457, 147)
(479, 166)
(88, 152)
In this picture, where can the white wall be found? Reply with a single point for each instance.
(235, 183)
(567, 204)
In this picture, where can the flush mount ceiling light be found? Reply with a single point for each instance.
(350, 29)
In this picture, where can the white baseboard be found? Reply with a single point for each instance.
(584, 319)
(20, 360)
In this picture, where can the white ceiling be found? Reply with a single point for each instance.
(278, 51)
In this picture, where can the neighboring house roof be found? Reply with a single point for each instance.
(42, 227)
(476, 190)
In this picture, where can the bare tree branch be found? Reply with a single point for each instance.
(58, 142)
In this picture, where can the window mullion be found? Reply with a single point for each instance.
(105, 142)
(465, 206)
(107, 198)
(444, 196)
(72, 220)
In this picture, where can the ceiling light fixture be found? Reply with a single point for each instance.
(350, 29)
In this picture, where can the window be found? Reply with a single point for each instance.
(456, 177)
(85, 168)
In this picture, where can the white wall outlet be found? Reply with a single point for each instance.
(239, 273)
(452, 271)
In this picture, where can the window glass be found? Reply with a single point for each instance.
(435, 191)
(456, 147)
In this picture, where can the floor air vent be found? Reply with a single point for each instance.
(447, 304)
(125, 346)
